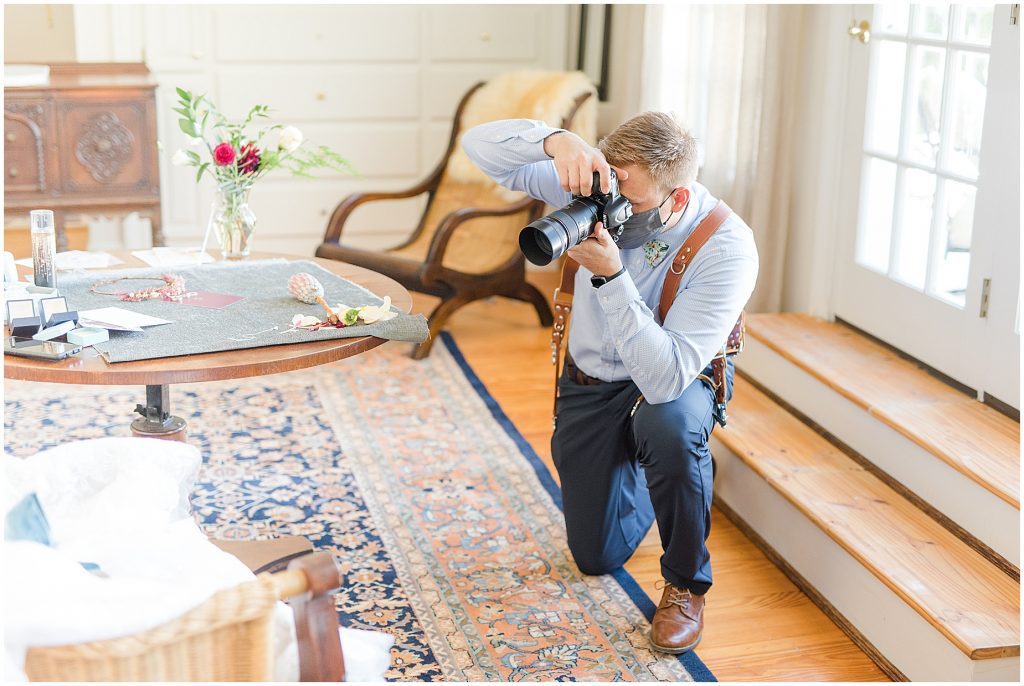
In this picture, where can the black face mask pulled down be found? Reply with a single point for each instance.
(640, 228)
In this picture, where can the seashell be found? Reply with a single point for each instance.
(305, 288)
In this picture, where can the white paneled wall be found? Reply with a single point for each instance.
(377, 83)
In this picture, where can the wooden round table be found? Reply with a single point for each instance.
(88, 367)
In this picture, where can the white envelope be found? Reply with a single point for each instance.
(118, 319)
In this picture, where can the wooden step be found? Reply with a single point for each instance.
(971, 437)
(957, 591)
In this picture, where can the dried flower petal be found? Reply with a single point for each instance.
(377, 313)
(300, 321)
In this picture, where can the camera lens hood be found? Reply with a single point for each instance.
(544, 240)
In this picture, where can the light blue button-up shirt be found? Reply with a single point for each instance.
(615, 333)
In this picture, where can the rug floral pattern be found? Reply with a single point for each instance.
(445, 536)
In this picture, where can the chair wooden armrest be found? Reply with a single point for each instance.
(439, 244)
(346, 206)
(308, 586)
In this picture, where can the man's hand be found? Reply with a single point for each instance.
(576, 162)
(598, 253)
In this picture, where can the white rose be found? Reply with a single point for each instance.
(291, 138)
(180, 159)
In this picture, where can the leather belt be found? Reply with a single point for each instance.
(576, 375)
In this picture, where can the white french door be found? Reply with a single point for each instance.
(930, 204)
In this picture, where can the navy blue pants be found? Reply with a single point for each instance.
(620, 473)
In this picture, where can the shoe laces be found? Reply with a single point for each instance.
(676, 596)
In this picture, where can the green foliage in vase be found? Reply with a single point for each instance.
(235, 153)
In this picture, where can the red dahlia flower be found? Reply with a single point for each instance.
(249, 159)
(223, 154)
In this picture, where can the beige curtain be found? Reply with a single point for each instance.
(731, 73)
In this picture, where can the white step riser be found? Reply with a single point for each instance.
(897, 631)
(985, 515)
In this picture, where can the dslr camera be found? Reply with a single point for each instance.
(547, 238)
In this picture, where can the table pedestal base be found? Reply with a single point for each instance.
(157, 421)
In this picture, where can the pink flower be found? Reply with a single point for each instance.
(223, 154)
(249, 159)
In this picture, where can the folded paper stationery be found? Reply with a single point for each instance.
(118, 319)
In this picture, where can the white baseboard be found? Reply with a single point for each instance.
(911, 643)
(980, 512)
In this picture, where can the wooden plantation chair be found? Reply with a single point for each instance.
(466, 244)
(229, 637)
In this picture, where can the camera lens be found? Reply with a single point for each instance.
(541, 241)
(547, 238)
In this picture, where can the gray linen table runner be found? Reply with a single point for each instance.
(263, 318)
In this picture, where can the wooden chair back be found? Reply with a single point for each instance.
(488, 244)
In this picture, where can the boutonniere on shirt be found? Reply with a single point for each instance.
(654, 251)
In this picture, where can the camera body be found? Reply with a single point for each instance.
(547, 238)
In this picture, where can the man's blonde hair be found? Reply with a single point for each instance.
(655, 142)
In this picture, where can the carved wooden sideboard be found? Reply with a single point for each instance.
(83, 144)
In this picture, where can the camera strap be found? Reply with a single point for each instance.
(563, 308)
(734, 342)
(696, 240)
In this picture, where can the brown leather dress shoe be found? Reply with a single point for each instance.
(679, 622)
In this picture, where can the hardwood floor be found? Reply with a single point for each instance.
(758, 625)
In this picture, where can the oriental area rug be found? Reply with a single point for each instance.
(445, 522)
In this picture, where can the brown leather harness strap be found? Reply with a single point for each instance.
(687, 252)
(563, 307)
(684, 257)
(689, 249)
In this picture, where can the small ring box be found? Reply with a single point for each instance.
(55, 331)
(55, 311)
(25, 327)
(22, 317)
(88, 335)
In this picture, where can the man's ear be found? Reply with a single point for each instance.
(680, 197)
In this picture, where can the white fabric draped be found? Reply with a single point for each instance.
(731, 74)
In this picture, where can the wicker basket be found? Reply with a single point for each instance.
(227, 638)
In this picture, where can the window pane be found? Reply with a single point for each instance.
(974, 24)
(967, 108)
(885, 98)
(951, 281)
(915, 227)
(891, 18)
(931, 21)
(927, 72)
(878, 186)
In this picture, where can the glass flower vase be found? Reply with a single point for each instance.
(233, 222)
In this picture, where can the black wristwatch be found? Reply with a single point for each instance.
(598, 281)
